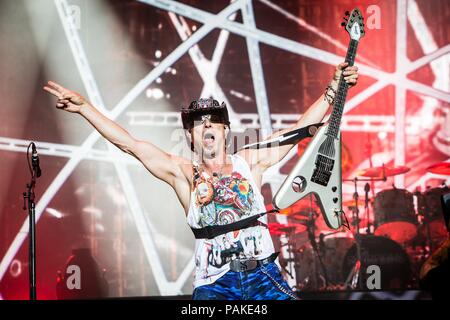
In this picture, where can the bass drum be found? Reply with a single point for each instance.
(395, 216)
(394, 263)
(310, 275)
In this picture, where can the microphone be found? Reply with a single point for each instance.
(35, 160)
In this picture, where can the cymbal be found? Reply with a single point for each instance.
(302, 208)
(440, 168)
(380, 172)
(351, 202)
(280, 229)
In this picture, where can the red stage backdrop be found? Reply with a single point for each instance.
(128, 58)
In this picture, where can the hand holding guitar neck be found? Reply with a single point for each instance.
(319, 170)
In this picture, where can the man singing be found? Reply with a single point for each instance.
(218, 191)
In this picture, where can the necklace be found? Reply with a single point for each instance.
(219, 174)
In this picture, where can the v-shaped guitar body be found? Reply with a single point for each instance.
(318, 174)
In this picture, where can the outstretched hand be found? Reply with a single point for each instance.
(67, 100)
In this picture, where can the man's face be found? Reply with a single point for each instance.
(208, 137)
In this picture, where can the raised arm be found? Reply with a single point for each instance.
(161, 164)
(264, 158)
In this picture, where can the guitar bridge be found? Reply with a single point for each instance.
(322, 171)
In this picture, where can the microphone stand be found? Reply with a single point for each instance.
(30, 196)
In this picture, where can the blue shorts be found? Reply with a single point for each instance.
(263, 283)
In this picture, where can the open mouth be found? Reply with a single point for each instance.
(208, 138)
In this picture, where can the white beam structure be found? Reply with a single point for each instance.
(224, 20)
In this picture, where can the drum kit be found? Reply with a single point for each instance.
(397, 231)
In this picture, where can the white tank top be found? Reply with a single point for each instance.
(235, 197)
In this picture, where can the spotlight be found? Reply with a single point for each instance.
(158, 54)
(94, 211)
(99, 227)
(15, 268)
(157, 93)
(55, 213)
(382, 135)
(154, 93)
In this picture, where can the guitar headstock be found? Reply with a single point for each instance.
(354, 24)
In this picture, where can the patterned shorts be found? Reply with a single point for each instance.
(262, 283)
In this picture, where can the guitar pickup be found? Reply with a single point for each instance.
(322, 171)
(324, 163)
(321, 177)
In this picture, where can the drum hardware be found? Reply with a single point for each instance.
(322, 252)
(288, 230)
(395, 216)
(366, 206)
(354, 276)
(313, 278)
(332, 247)
(387, 254)
(397, 256)
(429, 208)
(312, 239)
(421, 209)
(284, 262)
(355, 273)
(354, 202)
(314, 264)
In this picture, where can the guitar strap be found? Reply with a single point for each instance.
(211, 232)
(291, 137)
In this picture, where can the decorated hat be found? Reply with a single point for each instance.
(201, 107)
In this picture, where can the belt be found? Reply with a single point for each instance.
(245, 265)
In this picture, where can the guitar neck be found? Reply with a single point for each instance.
(341, 94)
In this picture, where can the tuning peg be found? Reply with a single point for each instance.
(343, 24)
(347, 13)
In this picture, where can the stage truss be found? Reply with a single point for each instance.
(207, 69)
